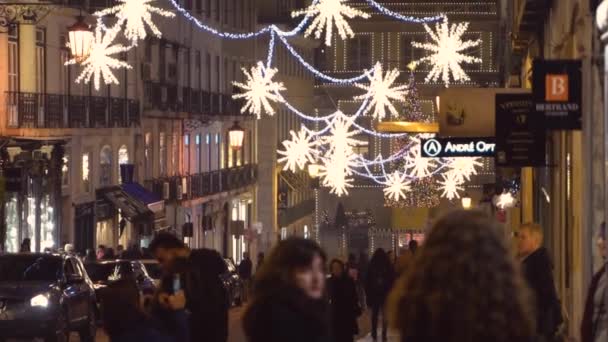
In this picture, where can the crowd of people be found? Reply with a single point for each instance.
(465, 283)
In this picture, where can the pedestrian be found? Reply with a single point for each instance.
(465, 286)
(380, 278)
(198, 272)
(288, 301)
(26, 246)
(124, 319)
(90, 256)
(101, 252)
(352, 267)
(260, 261)
(120, 250)
(109, 255)
(245, 272)
(406, 257)
(133, 252)
(344, 303)
(68, 248)
(538, 273)
(594, 327)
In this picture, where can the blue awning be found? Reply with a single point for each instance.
(140, 193)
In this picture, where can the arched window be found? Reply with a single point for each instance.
(123, 158)
(105, 163)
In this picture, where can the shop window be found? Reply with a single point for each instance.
(123, 158)
(148, 155)
(65, 170)
(105, 166)
(162, 153)
(86, 181)
(359, 53)
(11, 244)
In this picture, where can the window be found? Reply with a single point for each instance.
(148, 155)
(13, 75)
(361, 147)
(105, 166)
(217, 9)
(162, 153)
(208, 142)
(65, 169)
(231, 155)
(199, 6)
(86, 181)
(226, 12)
(208, 8)
(187, 152)
(220, 146)
(359, 53)
(123, 158)
(174, 153)
(217, 73)
(235, 12)
(64, 56)
(208, 70)
(40, 61)
(197, 70)
(199, 167)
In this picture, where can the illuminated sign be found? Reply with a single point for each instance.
(457, 147)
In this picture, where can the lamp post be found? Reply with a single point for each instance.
(235, 136)
(313, 170)
(466, 201)
(80, 39)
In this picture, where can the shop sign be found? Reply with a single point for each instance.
(457, 147)
(520, 132)
(557, 91)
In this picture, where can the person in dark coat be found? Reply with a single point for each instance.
(125, 321)
(538, 272)
(379, 281)
(245, 272)
(199, 272)
(344, 303)
(288, 303)
(594, 327)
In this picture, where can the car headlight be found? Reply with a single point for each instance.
(40, 300)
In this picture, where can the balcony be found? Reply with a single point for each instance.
(203, 184)
(36, 110)
(290, 215)
(167, 97)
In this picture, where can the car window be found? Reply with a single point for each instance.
(68, 268)
(138, 269)
(100, 272)
(29, 268)
(153, 270)
(79, 271)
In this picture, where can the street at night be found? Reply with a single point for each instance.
(303, 170)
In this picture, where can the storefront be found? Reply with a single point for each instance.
(31, 171)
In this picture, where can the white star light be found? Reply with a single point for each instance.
(418, 166)
(259, 90)
(450, 186)
(298, 151)
(381, 91)
(99, 63)
(396, 186)
(339, 159)
(136, 14)
(447, 52)
(464, 167)
(327, 13)
(505, 200)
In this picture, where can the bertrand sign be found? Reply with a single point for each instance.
(457, 147)
(557, 89)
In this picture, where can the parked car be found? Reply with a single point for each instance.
(45, 295)
(233, 283)
(104, 272)
(153, 269)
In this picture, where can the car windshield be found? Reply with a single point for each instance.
(153, 270)
(100, 272)
(30, 268)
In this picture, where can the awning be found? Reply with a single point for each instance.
(149, 199)
(130, 208)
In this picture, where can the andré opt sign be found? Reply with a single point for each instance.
(457, 147)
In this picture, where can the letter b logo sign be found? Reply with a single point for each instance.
(556, 88)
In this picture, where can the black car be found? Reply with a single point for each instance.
(45, 295)
(233, 284)
(104, 272)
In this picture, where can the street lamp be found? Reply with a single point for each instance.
(313, 170)
(80, 39)
(466, 201)
(236, 135)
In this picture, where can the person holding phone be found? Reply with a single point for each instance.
(195, 275)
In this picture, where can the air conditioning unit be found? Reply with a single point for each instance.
(166, 191)
(146, 71)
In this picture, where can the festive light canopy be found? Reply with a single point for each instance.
(299, 151)
(396, 186)
(259, 90)
(447, 52)
(381, 91)
(328, 13)
(450, 186)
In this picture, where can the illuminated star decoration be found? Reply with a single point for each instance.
(259, 90)
(339, 159)
(464, 167)
(327, 13)
(418, 166)
(99, 63)
(505, 200)
(450, 186)
(136, 14)
(298, 151)
(381, 91)
(396, 186)
(447, 52)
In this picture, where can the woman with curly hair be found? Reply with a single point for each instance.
(464, 286)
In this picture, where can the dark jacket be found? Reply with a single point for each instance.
(287, 316)
(538, 272)
(206, 296)
(245, 268)
(588, 325)
(344, 306)
(378, 283)
(150, 330)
